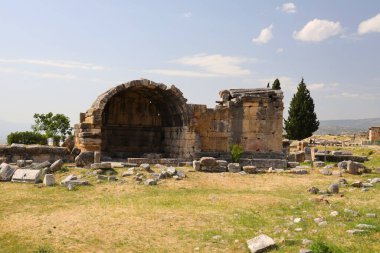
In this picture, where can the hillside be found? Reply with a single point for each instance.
(348, 126)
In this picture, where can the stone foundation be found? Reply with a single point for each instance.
(37, 153)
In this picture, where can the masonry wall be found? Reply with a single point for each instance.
(374, 134)
(251, 118)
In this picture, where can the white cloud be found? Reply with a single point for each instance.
(215, 65)
(265, 35)
(349, 95)
(40, 74)
(280, 50)
(187, 14)
(370, 25)
(175, 72)
(54, 63)
(288, 8)
(315, 86)
(318, 30)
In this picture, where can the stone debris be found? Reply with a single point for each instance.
(298, 171)
(101, 166)
(260, 243)
(305, 251)
(293, 164)
(49, 180)
(298, 229)
(306, 242)
(250, 169)
(84, 159)
(234, 167)
(367, 185)
(40, 166)
(73, 180)
(334, 213)
(319, 220)
(27, 176)
(333, 189)
(342, 181)
(356, 231)
(129, 172)
(374, 180)
(20, 163)
(337, 173)
(6, 172)
(365, 226)
(171, 171)
(97, 157)
(298, 220)
(210, 164)
(150, 182)
(146, 167)
(325, 172)
(129, 165)
(351, 212)
(57, 165)
(313, 190)
(357, 184)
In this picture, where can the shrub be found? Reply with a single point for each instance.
(236, 152)
(26, 138)
(320, 247)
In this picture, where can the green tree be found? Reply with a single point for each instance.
(51, 125)
(276, 85)
(236, 152)
(302, 121)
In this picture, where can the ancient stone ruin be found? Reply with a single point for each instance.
(146, 119)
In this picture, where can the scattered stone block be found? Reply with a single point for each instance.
(171, 171)
(6, 172)
(375, 180)
(75, 151)
(181, 174)
(365, 226)
(49, 180)
(129, 165)
(20, 163)
(313, 190)
(97, 157)
(260, 243)
(334, 213)
(337, 173)
(197, 165)
(57, 165)
(101, 166)
(305, 251)
(351, 212)
(84, 159)
(357, 184)
(356, 231)
(208, 162)
(342, 181)
(27, 176)
(299, 171)
(150, 182)
(128, 173)
(250, 169)
(371, 215)
(333, 188)
(222, 163)
(325, 172)
(40, 166)
(234, 167)
(146, 167)
(367, 185)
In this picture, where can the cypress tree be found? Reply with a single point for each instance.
(276, 85)
(268, 85)
(302, 121)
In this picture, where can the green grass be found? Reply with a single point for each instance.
(179, 216)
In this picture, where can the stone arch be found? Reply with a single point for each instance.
(134, 118)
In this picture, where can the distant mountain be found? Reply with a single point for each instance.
(349, 126)
(8, 127)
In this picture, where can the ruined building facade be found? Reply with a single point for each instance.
(142, 117)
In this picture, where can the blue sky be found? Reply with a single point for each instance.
(60, 55)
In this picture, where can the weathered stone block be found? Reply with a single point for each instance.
(208, 161)
(197, 165)
(49, 180)
(6, 172)
(250, 169)
(97, 157)
(27, 176)
(57, 165)
(84, 159)
(234, 167)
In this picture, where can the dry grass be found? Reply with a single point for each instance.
(179, 216)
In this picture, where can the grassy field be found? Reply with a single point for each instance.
(203, 213)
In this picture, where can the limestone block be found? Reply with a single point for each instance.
(97, 156)
(49, 180)
(6, 172)
(84, 159)
(57, 165)
(27, 176)
(234, 167)
(250, 169)
(197, 165)
(208, 161)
